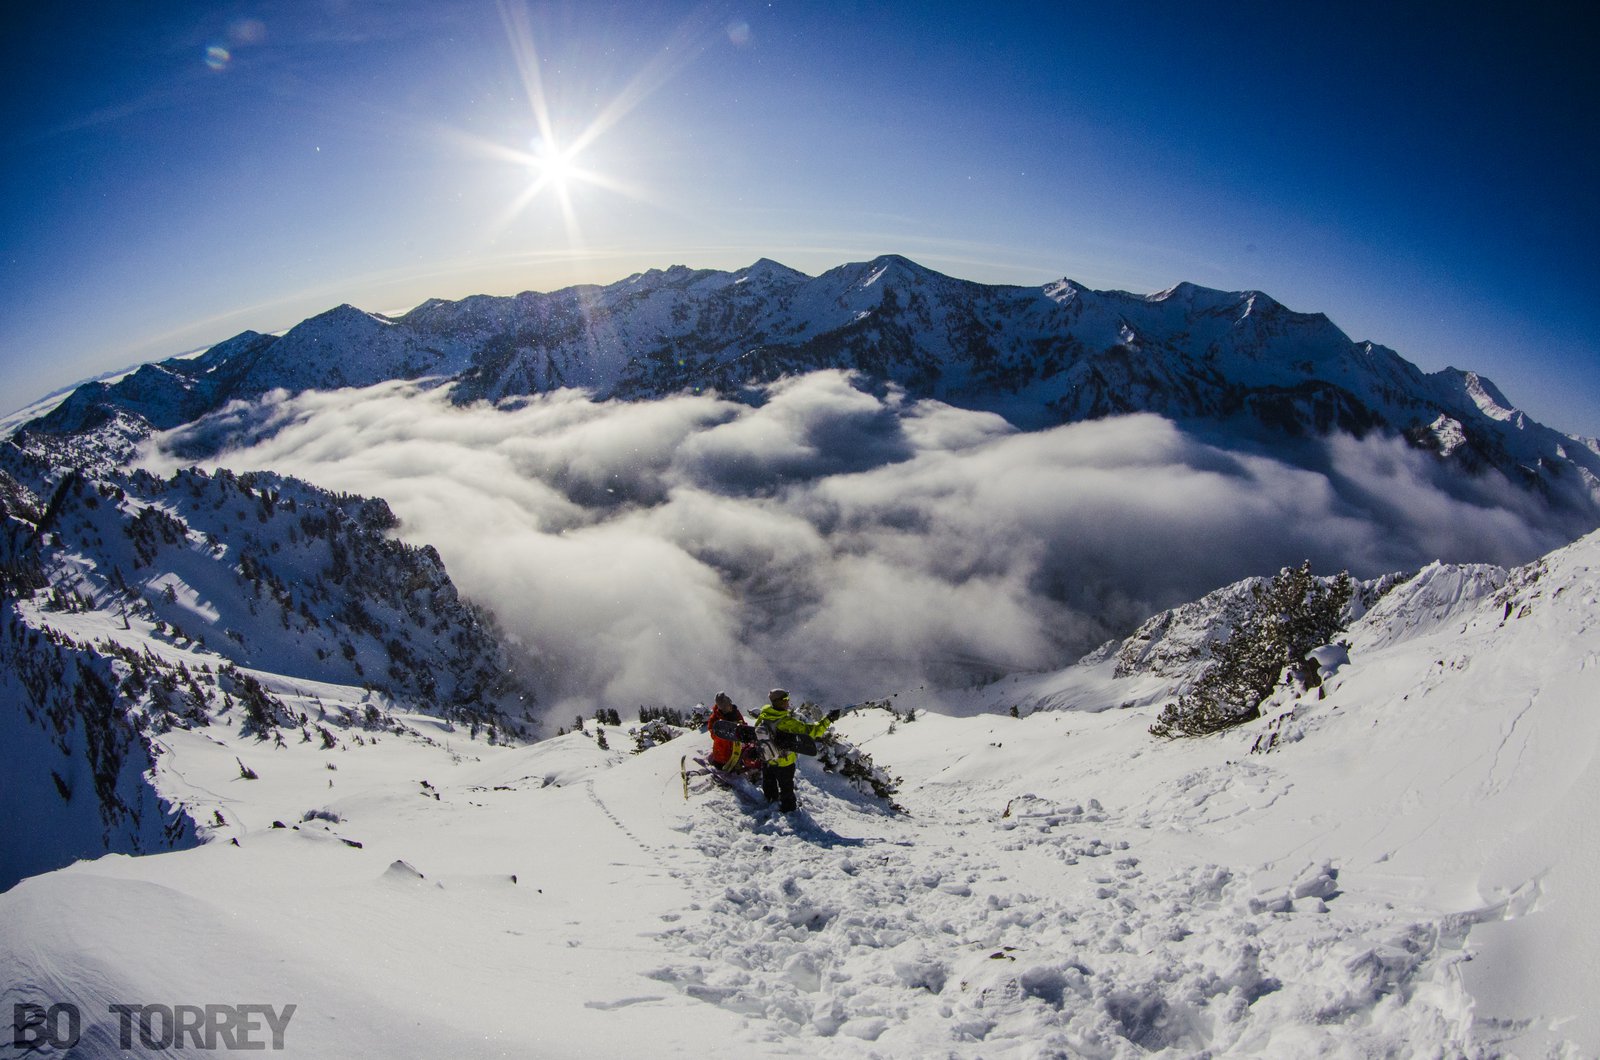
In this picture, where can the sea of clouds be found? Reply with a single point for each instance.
(842, 541)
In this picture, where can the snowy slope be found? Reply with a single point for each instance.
(132, 605)
(1408, 871)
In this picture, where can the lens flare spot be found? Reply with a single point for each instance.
(247, 31)
(739, 34)
(218, 57)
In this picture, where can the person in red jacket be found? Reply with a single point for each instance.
(725, 753)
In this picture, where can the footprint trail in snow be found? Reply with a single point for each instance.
(960, 931)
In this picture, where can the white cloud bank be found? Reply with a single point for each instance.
(840, 542)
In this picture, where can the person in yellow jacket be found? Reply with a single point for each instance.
(777, 775)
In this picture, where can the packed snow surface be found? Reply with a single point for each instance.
(1400, 863)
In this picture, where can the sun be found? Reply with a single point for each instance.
(552, 156)
(553, 172)
(556, 167)
(553, 167)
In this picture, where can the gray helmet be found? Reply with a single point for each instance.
(778, 696)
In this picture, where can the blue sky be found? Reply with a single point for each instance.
(1424, 176)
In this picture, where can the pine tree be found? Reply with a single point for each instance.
(1290, 615)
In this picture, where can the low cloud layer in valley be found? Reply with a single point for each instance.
(842, 542)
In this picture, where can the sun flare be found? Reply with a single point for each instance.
(551, 157)
(554, 167)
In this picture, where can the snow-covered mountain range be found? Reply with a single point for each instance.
(1038, 355)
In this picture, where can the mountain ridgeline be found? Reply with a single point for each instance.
(1040, 356)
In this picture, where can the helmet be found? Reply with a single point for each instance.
(722, 698)
(778, 697)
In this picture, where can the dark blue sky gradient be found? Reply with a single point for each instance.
(1424, 174)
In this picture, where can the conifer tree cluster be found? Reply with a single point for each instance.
(676, 718)
(1292, 614)
(656, 730)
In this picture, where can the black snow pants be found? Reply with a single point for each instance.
(777, 784)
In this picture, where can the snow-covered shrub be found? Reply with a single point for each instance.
(653, 732)
(838, 755)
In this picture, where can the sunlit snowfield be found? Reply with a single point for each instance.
(1407, 873)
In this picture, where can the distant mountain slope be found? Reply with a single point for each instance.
(1038, 355)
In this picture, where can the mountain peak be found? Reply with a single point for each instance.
(1481, 392)
(895, 259)
(1183, 291)
(1195, 296)
(765, 270)
(899, 266)
(893, 268)
(343, 314)
(1065, 290)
